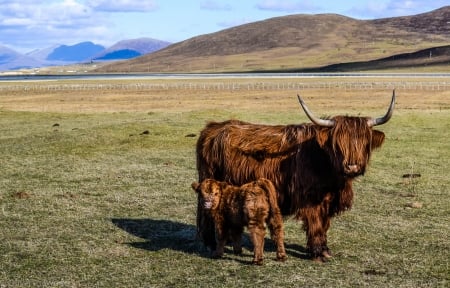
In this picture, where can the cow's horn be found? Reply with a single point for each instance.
(381, 120)
(314, 119)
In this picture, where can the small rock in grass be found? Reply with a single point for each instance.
(416, 205)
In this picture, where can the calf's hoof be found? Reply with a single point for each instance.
(281, 257)
(258, 262)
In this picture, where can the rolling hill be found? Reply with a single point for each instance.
(298, 43)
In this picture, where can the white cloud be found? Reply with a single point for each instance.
(393, 8)
(32, 24)
(123, 5)
(409, 7)
(16, 22)
(35, 23)
(214, 5)
(232, 23)
(31, 14)
(287, 5)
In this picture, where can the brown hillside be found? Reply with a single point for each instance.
(430, 57)
(436, 23)
(296, 42)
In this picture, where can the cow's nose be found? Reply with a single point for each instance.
(353, 168)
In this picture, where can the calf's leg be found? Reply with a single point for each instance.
(277, 235)
(221, 239)
(257, 233)
(205, 228)
(236, 237)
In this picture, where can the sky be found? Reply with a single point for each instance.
(27, 25)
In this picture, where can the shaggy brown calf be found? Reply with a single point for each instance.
(232, 208)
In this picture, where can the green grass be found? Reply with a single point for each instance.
(93, 202)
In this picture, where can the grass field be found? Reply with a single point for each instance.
(95, 190)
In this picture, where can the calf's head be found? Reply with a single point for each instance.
(209, 193)
(348, 140)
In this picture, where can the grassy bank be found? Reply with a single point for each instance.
(96, 198)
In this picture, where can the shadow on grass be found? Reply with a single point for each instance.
(166, 234)
(162, 234)
(297, 251)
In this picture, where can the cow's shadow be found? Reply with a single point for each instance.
(162, 234)
(167, 234)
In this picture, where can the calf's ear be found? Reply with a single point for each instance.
(195, 186)
(377, 138)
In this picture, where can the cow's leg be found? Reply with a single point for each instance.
(257, 233)
(313, 223)
(277, 235)
(316, 221)
(326, 252)
(326, 222)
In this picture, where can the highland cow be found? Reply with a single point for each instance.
(311, 165)
(252, 205)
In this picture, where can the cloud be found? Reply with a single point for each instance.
(232, 23)
(215, 5)
(409, 7)
(32, 24)
(377, 9)
(287, 5)
(31, 14)
(27, 24)
(123, 5)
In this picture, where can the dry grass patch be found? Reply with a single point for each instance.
(344, 95)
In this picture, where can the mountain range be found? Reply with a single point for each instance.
(78, 53)
(322, 42)
(9, 59)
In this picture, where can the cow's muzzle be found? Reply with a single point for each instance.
(353, 170)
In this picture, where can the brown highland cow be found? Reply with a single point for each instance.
(252, 205)
(311, 165)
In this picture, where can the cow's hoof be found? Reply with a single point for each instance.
(258, 262)
(319, 259)
(327, 254)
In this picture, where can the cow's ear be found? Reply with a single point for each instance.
(322, 137)
(377, 138)
(195, 186)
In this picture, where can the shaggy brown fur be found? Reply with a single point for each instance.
(232, 208)
(311, 166)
